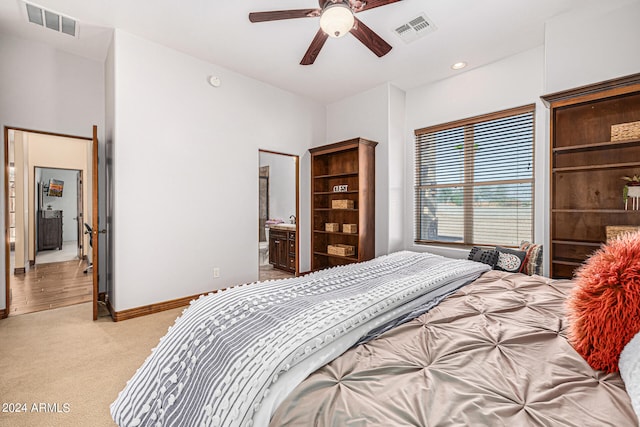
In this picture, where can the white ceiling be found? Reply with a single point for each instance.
(218, 31)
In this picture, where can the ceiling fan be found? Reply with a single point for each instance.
(336, 19)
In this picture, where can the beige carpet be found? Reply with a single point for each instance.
(69, 366)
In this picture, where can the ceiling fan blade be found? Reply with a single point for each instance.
(370, 39)
(314, 48)
(276, 15)
(370, 4)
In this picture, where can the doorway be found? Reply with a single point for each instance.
(278, 209)
(46, 248)
(59, 215)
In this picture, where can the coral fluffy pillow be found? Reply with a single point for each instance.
(604, 307)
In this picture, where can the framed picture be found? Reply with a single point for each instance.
(55, 188)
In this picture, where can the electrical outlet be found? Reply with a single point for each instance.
(216, 272)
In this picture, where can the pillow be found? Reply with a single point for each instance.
(533, 259)
(485, 256)
(604, 306)
(630, 371)
(510, 260)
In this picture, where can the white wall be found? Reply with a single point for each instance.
(513, 82)
(396, 155)
(282, 184)
(304, 217)
(185, 170)
(592, 46)
(47, 90)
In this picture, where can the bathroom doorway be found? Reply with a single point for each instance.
(278, 208)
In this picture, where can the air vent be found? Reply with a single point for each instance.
(52, 20)
(415, 28)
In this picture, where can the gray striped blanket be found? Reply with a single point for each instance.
(221, 358)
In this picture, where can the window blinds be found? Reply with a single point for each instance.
(474, 180)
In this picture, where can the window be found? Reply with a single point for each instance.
(474, 180)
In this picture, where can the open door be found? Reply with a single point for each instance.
(94, 220)
(80, 216)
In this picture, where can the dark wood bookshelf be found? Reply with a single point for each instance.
(348, 163)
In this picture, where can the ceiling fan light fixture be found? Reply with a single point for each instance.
(337, 19)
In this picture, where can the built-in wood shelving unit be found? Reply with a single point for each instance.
(586, 168)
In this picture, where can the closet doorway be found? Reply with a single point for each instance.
(278, 209)
(47, 250)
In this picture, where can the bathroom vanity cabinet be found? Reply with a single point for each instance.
(282, 248)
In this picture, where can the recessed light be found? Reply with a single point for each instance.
(214, 81)
(459, 65)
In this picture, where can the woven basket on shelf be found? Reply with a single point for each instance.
(614, 231)
(342, 204)
(625, 131)
(331, 226)
(341, 250)
(350, 228)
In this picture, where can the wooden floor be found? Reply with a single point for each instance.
(47, 286)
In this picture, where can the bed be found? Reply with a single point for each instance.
(446, 343)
